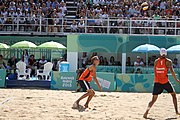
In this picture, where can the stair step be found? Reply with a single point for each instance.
(70, 2)
(71, 11)
(71, 7)
(70, 16)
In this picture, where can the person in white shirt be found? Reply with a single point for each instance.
(96, 2)
(74, 26)
(138, 62)
(42, 62)
(63, 7)
(163, 5)
(81, 26)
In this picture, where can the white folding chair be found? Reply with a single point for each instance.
(46, 71)
(22, 71)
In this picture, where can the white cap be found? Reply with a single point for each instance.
(163, 51)
(138, 57)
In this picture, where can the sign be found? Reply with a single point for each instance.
(63, 81)
(67, 81)
(106, 80)
(2, 77)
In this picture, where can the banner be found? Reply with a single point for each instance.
(2, 77)
(67, 81)
(63, 81)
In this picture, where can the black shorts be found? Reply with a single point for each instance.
(158, 88)
(84, 85)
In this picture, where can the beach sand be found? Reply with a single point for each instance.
(37, 104)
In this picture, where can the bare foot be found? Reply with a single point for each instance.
(75, 105)
(177, 113)
(145, 115)
(86, 106)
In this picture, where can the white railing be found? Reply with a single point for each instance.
(63, 26)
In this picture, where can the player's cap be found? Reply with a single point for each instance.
(138, 57)
(94, 58)
(163, 51)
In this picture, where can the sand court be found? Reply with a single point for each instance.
(38, 104)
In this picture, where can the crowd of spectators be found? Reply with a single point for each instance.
(129, 8)
(100, 10)
(29, 12)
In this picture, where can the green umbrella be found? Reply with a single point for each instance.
(24, 45)
(3, 46)
(51, 45)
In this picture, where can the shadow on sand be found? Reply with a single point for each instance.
(80, 108)
(149, 118)
(171, 118)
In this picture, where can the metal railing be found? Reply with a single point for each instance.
(57, 26)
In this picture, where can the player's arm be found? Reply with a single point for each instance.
(172, 70)
(155, 62)
(95, 79)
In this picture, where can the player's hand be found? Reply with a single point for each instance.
(178, 81)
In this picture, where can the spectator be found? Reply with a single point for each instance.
(12, 62)
(84, 59)
(42, 62)
(128, 62)
(105, 61)
(2, 63)
(138, 62)
(81, 26)
(112, 61)
(22, 59)
(74, 26)
(63, 7)
(25, 57)
(32, 64)
(48, 3)
(101, 60)
(175, 63)
(138, 71)
(50, 17)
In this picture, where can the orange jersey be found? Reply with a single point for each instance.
(161, 71)
(85, 77)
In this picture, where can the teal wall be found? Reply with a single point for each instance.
(140, 82)
(2, 78)
(116, 43)
(111, 82)
(37, 40)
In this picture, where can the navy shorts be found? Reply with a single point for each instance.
(158, 88)
(84, 85)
